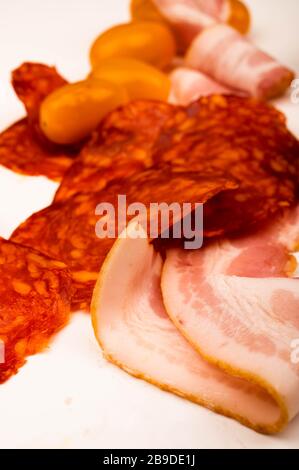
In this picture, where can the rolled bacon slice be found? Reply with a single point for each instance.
(136, 334)
(188, 85)
(187, 19)
(226, 56)
(236, 305)
(190, 17)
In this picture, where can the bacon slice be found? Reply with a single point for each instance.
(236, 305)
(136, 334)
(228, 57)
(190, 17)
(188, 85)
(187, 17)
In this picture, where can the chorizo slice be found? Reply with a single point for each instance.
(22, 151)
(245, 139)
(120, 147)
(23, 147)
(35, 294)
(66, 230)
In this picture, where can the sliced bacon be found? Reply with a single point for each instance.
(188, 85)
(228, 57)
(187, 18)
(235, 304)
(136, 334)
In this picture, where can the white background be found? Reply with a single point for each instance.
(69, 396)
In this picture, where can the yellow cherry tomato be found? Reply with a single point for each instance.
(149, 41)
(239, 17)
(145, 10)
(141, 80)
(73, 111)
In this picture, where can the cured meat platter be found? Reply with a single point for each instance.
(69, 395)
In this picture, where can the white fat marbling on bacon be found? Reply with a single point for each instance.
(188, 85)
(219, 9)
(136, 333)
(226, 56)
(234, 301)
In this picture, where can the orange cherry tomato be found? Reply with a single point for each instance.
(145, 10)
(141, 80)
(239, 17)
(73, 111)
(149, 41)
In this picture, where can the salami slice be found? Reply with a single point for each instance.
(121, 147)
(232, 137)
(23, 148)
(22, 151)
(32, 82)
(35, 294)
(245, 139)
(100, 164)
(66, 229)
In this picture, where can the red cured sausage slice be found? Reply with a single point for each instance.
(244, 139)
(66, 229)
(32, 82)
(122, 146)
(230, 137)
(35, 293)
(22, 151)
(142, 119)
(100, 164)
(23, 148)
